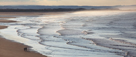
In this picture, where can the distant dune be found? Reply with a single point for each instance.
(52, 7)
(38, 8)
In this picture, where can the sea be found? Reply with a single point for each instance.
(105, 33)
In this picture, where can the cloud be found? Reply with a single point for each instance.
(69, 2)
(88, 2)
(18, 0)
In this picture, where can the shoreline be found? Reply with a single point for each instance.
(13, 49)
(14, 14)
(104, 37)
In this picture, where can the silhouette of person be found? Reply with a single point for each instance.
(25, 49)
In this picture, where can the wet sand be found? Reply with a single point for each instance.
(13, 14)
(6, 21)
(13, 49)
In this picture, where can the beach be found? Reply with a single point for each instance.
(13, 49)
(98, 33)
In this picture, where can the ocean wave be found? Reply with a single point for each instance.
(77, 34)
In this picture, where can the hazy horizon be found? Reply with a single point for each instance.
(65, 5)
(68, 2)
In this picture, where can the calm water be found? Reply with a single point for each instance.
(77, 34)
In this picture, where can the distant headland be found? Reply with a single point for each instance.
(38, 8)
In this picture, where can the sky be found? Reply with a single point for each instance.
(69, 2)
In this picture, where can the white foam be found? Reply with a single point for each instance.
(67, 35)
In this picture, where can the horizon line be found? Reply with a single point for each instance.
(62, 5)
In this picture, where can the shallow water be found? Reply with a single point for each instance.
(77, 34)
